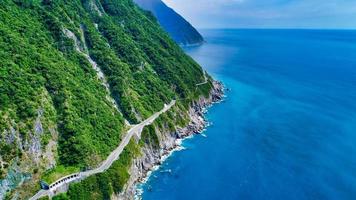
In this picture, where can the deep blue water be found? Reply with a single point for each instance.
(287, 129)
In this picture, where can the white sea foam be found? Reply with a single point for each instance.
(166, 171)
(138, 193)
(167, 154)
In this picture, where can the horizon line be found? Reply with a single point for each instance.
(274, 28)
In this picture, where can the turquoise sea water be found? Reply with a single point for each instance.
(287, 129)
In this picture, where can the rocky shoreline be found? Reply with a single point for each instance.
(169, 142)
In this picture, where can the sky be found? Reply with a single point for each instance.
(331, 14)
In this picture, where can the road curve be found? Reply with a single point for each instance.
(136, 129)
(205, 80)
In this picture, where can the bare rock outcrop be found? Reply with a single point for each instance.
(169, 141)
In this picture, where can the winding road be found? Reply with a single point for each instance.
(205, 80)
(62, 184)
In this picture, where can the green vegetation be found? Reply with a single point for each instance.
(61, 197)
(149, 136)
(41, 70)
(58, 172)
(166, 122)
(86, 120)
(102, 186)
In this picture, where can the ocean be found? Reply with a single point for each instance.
(287, 128)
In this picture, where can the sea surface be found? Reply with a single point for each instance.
(287, 128)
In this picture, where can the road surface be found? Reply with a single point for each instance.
(134, 131)
(205, 80)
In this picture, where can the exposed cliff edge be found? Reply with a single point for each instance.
(169, 141)
(178, 28)
(75, 76)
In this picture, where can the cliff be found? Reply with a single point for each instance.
(74, 76)
(168, 140)
(177, 27)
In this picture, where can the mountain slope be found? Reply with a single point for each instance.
(72, 73)
(178, 28)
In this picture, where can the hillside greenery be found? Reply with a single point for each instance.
(102, 186)
(42, 70)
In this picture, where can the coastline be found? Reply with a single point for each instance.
(195, 44)
(152, 159)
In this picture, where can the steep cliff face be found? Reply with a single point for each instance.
(178, 28)
(168, 140)
(73, 76)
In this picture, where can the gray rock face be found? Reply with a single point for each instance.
(20, 169)
(168, 142)
(81, 47)
(10, 136)
(34, 141)
(13, 178)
